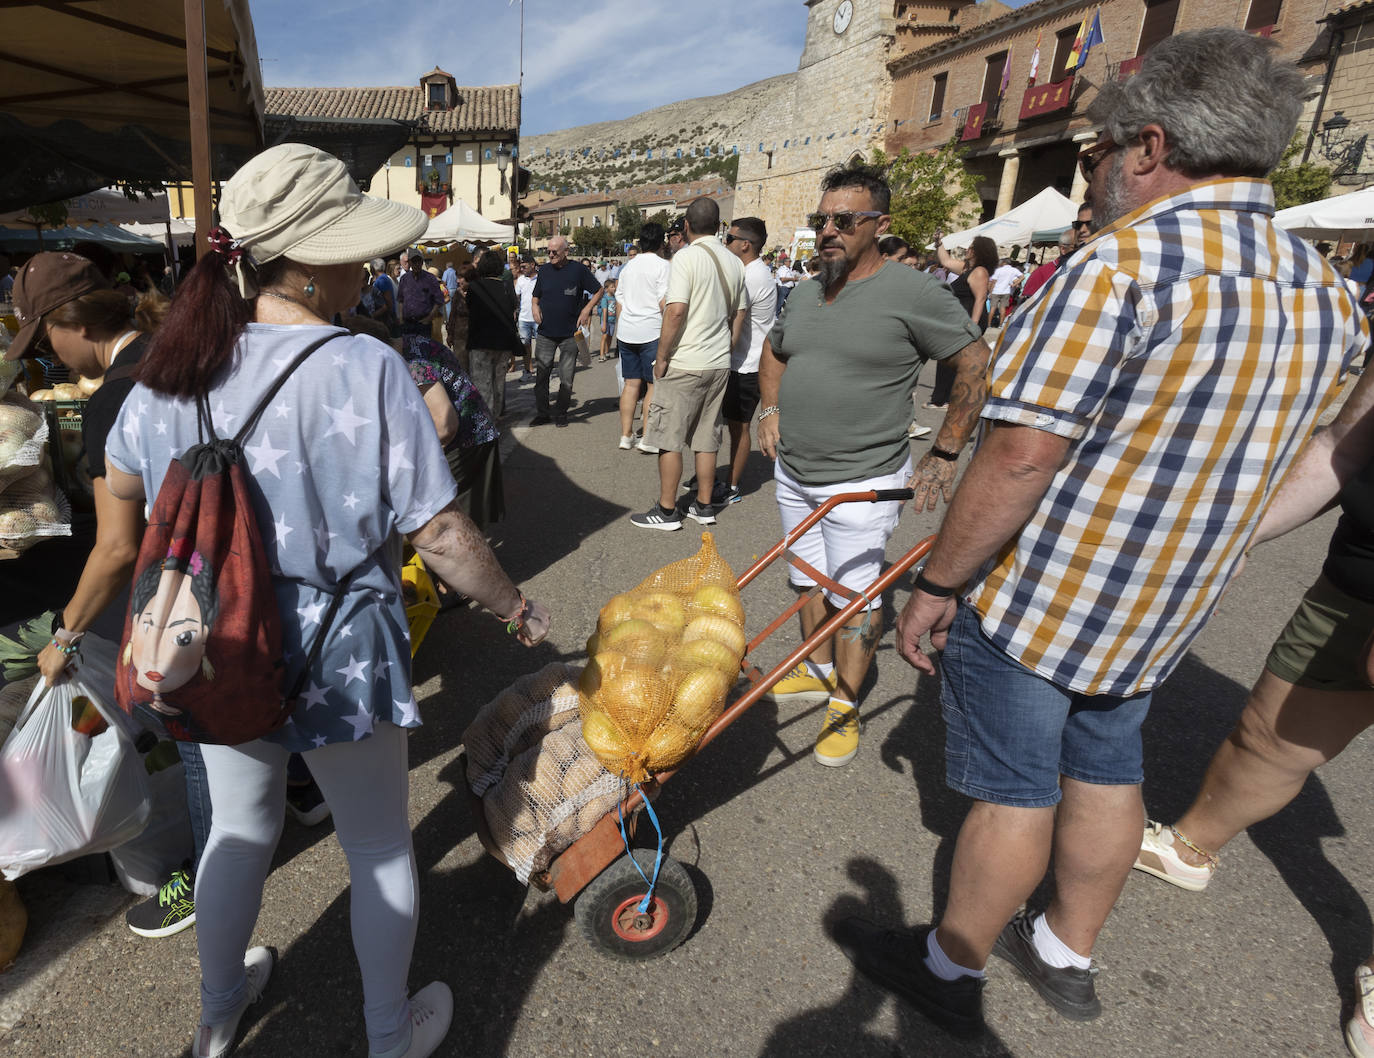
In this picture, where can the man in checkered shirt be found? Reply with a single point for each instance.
(1142, 409)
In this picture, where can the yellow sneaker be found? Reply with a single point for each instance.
(801, 686)
(838, 741)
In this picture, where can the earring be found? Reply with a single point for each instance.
(310, 287)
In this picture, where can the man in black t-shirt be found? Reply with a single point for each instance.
(564, 293)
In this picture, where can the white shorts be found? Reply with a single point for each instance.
(849, 543)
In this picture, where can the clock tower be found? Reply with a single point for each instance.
(840, 96)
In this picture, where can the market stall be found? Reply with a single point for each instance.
(1048, 213)
(1347, 218)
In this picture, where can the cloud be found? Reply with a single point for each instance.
(596, 61)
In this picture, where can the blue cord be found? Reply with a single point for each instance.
(658, 858)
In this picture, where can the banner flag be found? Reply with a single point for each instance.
(1035, 60)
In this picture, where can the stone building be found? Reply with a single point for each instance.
(835, 110)
(461, 139)
(1342, 128)
(598, 208)
(946, 83)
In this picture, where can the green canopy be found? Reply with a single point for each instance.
(24, 240)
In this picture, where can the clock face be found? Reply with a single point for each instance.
(844, 14)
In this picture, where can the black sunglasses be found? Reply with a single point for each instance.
(1082, 224)
(845, 221)
(1091, 157)
(731, 237)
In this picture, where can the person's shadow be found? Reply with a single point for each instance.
(841, 1028)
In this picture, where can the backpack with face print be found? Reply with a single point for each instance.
(202, 646)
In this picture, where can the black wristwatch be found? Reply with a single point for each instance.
(940, 453)
(930, 587)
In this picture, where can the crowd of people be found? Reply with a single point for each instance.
(1139, 433)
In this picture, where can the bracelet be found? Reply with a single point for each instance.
(930, 587)
(61, 635)
(940, 453)
(515, 624)
(68, 648)
(1213, 860)
(772, 409)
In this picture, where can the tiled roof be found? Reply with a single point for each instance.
(1025, 13)
(1343, 10)
(491, 108)
(553, 205)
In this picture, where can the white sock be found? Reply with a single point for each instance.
(941, 965)
(821, 671)
(1053, 950)
(834, 701)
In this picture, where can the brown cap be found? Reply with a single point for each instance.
(46, 282)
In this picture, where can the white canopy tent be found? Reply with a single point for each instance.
(461, 223)
(1345, 217)
(1047, 211)
(183, 232)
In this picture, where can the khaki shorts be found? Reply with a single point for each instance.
(1322, 646)
(685, 410)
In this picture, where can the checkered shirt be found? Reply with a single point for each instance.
(1186, 353)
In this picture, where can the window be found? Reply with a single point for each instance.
(438, 95)
(937, 96)
(468, 156)
(1063, 48)
(1263, 13)
(1158, 23)
(579, 222)
(992, 77)
(596, 221)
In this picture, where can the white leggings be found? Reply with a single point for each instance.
(367, 786)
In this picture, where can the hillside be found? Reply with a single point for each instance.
(708, 121)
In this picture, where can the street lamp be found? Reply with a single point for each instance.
(502, 163)
(1333, 132)
(1343, 146)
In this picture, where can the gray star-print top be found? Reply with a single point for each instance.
(345, 459)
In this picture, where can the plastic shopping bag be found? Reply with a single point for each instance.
(71, 782)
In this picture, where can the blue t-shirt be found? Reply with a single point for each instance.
(562, 292)
(344, 461)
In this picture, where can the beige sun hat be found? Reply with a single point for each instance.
(297, 201)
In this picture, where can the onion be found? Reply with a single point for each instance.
(604, 738)
(663, 610)
(721, 629)
(636, 699)
(617, 610)
(719, 600)
(668, 746)
(700, 698)
(705, 653)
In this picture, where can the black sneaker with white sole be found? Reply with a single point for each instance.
(1069, 990)
(170, 911)
(701, 513)
(657, 518)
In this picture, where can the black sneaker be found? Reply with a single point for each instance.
(170, 911)
(702, 514)
(657, 518)
(306, 804)
(560, 420)
(733, 495)
(540, 420)
(895, 959)
(1068, 989)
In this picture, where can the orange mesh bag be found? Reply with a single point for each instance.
(663, 659)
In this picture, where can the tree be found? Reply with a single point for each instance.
(1297, 183)
(593, 241)
(930, 192)
(627, 222)
(662, 218)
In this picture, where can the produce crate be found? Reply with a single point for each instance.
(421, 612)
(66, 417)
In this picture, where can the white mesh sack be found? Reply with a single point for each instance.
(31, 509)
(517, 718)
(23, 437)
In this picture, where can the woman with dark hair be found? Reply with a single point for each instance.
(492, 335)
(343, 464)
(970, 286)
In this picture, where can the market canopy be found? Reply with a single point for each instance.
(97, 92)
(1349, 217)
(31, 240)
(461, 223)
(1049, 211)
(363, 144)
(103, 206)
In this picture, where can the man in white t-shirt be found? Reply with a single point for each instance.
(639, 295)
(702, 319)
(745, 239)
(1005, 280)
(524, 293)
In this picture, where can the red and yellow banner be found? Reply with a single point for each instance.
(1046, 98)
(433, 204)
(973, 121)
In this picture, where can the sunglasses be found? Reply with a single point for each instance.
(845, 221)
(1082, 224)
(1091, 157)
(730, 237)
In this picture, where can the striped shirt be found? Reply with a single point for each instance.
(1186, 353)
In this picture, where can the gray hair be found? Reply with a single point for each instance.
(1067, 239)
(378, 266)
(1225, 100)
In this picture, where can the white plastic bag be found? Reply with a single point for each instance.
(145, 862)
(63, 793)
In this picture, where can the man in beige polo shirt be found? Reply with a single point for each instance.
(704, 314)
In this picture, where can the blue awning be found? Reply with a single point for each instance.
(26, 240)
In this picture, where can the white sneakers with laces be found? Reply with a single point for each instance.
(216, 1041)
(1159, 857)
(431, 1014)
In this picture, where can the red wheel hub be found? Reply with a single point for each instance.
(629, 923)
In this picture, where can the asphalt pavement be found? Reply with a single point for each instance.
(1260, 964)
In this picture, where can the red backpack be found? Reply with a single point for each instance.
(202, 651)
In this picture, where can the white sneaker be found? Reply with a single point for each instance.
(626, 443)
(1359, 1030)
(649, 449)
(1159, 857)
(431, 1013)
(216, 1041)
(916, 430)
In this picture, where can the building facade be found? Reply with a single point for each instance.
(1341, 133)
(838, 104)
(546, 217)
(1023, 128)
(464, 142)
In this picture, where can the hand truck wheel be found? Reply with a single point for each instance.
(607, 910)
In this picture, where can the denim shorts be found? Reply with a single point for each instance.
(1010, 734)
(637, 360)
(528, 330)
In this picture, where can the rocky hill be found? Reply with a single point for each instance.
(691, 124)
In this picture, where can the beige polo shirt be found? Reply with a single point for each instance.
(696, 282)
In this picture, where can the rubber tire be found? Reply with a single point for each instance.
(596, 906)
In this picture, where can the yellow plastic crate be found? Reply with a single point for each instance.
(420, 614)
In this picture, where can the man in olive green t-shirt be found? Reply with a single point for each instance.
(835, 380)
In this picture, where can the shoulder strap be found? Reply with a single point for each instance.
(121, 371)
(276, 386)
(730, 307)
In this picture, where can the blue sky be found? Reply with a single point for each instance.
(585, 60)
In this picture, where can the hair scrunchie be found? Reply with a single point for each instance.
(234, 256)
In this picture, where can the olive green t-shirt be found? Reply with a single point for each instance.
(845, 396)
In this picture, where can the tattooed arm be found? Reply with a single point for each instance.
(935, 476)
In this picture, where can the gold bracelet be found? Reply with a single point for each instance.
(1213, 860)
